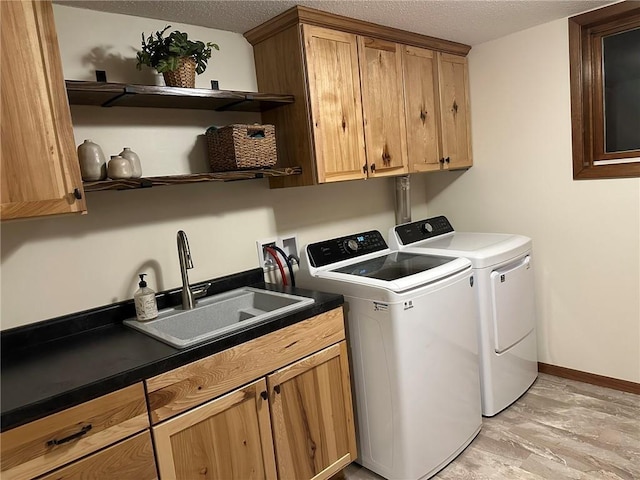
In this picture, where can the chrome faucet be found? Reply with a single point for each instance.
(184, 256)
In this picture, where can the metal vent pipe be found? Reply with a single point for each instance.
(403, 199)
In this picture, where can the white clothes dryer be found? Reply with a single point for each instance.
(502, 265)
(411, 326)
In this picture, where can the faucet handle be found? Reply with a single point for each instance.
(201, 291)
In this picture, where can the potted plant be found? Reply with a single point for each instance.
(175, 56)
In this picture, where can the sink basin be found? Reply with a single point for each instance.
(219, 315)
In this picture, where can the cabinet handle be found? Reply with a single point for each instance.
(373, 168)
(276, 389)
(442, 160)
(73, 436)
(364, 168)
(264, 395)
(447, 159)
(455, 107)
(423, 115)
(77, 194)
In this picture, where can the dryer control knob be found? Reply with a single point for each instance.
(351, 245)
(427, 228)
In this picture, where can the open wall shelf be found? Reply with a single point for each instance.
(105, 94)
(147, 182)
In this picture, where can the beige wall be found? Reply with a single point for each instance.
(586, 234)
(55, 266)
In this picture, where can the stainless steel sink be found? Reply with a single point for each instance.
(219, 315)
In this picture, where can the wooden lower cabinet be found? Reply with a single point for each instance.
(43, 445)
(227, 438)
(312, 415)
(131, 458)
(307, 409)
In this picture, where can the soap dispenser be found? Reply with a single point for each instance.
(145, 300)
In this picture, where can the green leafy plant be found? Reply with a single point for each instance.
(163, 53)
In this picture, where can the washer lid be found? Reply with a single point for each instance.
(396, 271)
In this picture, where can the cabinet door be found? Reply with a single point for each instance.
(336, 108)
(131, 458)
(40, 169)
(312, 415)
(421, 109)
(383, 106)
(228, 438)
(454, 106)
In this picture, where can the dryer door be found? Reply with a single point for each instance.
(513, 303)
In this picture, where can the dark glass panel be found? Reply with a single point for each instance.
(621, 58)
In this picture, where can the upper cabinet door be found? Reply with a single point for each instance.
(421, 108)
(336, 109)
(40, 169)
(454, 105)
(383, 106)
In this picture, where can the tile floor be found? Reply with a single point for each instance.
(560, 429)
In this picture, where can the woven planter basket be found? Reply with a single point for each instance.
(237, 146)
(184, 76)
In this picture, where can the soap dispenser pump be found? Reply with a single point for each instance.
(145, 300)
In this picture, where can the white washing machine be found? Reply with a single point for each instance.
(502, 266)
(411, 326)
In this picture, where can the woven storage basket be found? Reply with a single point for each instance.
(240, 146)
(184, 76)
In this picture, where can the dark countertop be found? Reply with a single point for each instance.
(56, 364)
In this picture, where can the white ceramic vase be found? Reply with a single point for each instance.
(119, 168)
(135, 161)
(93, 163)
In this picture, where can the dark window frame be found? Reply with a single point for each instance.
(587, 107)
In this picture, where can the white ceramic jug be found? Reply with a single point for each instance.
(119, 168)
(93, 164)
(135, 161)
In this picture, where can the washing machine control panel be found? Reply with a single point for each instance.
(423, 229)
(343, 248)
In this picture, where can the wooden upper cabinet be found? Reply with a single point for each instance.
(383, 106)
(421, 109)
(335, 99)
(40, 169)
(312, 416)
(436, 88)
(368, 98)
(228, 438)
(454, 111)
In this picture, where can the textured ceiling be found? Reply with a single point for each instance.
(466, 21)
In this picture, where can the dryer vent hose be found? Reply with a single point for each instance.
(403, 200)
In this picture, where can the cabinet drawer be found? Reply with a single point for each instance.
(132, 458)
(193, 384)
(39, 447)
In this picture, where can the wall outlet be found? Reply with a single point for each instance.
(264, 259)
(290, 244)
